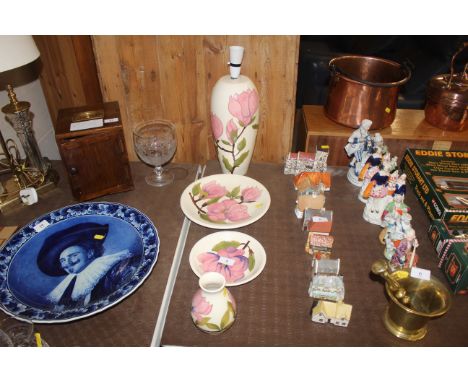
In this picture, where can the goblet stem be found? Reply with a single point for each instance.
(158, 170)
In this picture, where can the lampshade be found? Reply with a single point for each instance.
(16, 51)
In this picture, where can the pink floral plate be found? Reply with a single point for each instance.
(237, 256)
(225, 201)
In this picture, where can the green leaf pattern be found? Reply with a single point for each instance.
(196, 189)
(226, 320)
(225, 244)
(234, 160)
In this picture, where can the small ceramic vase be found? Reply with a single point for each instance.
(213, 307)
(234, 117)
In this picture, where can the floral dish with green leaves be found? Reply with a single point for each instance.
(225, 201)
(237, 256)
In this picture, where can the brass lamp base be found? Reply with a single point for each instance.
(402, 331)
(13, 199)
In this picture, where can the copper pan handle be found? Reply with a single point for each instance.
(406, 70)
(452, 69)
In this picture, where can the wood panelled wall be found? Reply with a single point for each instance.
(68, 75)
(171, 77)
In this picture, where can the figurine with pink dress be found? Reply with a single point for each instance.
(404, 254)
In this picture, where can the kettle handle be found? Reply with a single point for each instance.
(452, 69)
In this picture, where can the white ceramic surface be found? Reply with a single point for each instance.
(225, 201)
(215, 252)
(235, 118)
(213, 306)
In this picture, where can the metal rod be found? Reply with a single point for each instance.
(179, 251)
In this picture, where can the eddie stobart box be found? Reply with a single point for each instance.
(440, 180)
(451, 246)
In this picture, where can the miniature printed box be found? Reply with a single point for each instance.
(451, 246)
(302, 161)
(337, 313)
(319, 246)
(440, 181)
(318, 221)
(326, 282)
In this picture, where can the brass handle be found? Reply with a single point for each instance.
(380, 268)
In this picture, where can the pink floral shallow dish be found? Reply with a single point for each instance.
(225, 201)
(237, 256)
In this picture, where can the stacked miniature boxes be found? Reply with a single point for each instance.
(326, 286)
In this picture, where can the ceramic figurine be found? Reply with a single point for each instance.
(235, 114)
(392, 181)
(400, 186)
(337, 313)
(404, 251)
(377, 197)
(369, 170)
(359, 145)
(213, 307)
(397, 228)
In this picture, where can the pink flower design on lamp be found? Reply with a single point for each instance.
(216, 126)
(251, 194)
(200, 307)
(227, 210)
(210, 263)
(214, 190)
(244, 106)
(231, 130)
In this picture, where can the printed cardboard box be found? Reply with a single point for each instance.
(451, 247)
(440, 181)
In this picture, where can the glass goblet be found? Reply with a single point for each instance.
(155, 144)
(20, 333)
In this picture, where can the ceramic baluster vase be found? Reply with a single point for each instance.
(235, 117)
(213, 307)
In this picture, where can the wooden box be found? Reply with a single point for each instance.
(96, 159)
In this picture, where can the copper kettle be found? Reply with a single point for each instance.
(447, 98)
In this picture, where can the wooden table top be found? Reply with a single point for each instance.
(408, 124)
(274, 308)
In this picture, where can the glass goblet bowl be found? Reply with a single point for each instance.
(155, 144)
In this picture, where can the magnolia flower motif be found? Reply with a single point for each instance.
(227, 210)
(244, 106)
(216, 126)
(210, 263)
(231, 130)
(251, 194)
(214, 190)
(200, 307)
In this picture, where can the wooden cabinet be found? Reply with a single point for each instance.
(96, 159)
